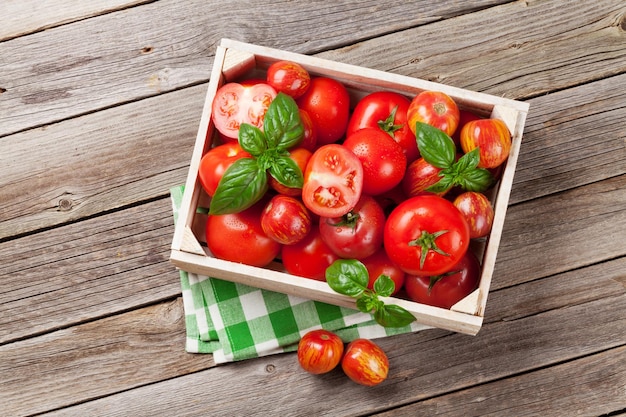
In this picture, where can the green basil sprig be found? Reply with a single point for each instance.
(246, 181)
(350, 277)
(438, 149)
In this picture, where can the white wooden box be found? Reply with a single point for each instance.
(234, 59)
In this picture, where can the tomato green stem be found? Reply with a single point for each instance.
(426, 242)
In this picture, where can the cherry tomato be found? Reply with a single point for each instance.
(379, 264)
(419, 176)
(215, 162)
(387, 111)
(309, 138)
(426, 235)
(365, 362)
(491, 136)
(448, 289)
(285, 219)
(333, 181)
(320, 351)
(477, 211)
(382, 158)
(357, 234)
(301, 157)
(436, 109)
(239, 237)
(328, 103)
(235, 104)
(465, 117)
(288, 77)
(309, 257)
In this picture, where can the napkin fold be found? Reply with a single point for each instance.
(236, 322)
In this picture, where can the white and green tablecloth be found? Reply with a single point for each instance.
(236, 322)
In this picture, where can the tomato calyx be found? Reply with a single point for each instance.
(427, 242)
(348, 220)
(436, 278)
(387, 125)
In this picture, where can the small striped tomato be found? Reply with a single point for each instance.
(320, 351)
(477, 211)
(365, 362)
(491, 136)
(285, 219)
(436, 109)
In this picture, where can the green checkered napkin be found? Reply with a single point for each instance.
(236, 322)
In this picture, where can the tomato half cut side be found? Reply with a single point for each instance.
(236, 103)
(333, 181)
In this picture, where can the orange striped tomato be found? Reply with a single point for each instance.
(319, 351)
(365, 362)
(491, 136)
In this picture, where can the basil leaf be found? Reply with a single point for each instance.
(242, 185)
(251, 139)
(367, 303)
(391, 315)
(287, 172)
(435, 146)
(444, 184)
(478, 179)
(347, 277)
(384, 286)
(468, 161)
(282, 126)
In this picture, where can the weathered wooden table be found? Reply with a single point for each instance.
(99, 106)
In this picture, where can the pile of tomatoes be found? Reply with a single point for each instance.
(366, 185)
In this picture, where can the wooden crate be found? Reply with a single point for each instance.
(233, 60)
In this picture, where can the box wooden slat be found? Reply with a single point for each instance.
(234, 59)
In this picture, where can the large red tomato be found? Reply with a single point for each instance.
(288, 77)
(478, 212)
(383, 159)
(285, 219)
(236, 103)
(309, 257)
(379, 264)
(333, 181)
(215, 162)
(239, 237)
(357, 234)
(448, 289)
(426, 235)
(320, 351)
(365, 362)
(387, 111)
(436, 109)
(491, 136)
(328, 103)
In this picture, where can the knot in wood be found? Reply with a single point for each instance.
(65, 204)
(270, 369)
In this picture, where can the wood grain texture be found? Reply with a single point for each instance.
(438, 365)
(98, 358)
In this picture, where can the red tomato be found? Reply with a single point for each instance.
(301, 156)
(215, 162)
(382, 158)
(426, 235)
(491, 136)
(288, 77)
(320, 351)
(478, 212)
(357, 234)
(235, 104)
(333, 181)
(419, 176)
(285, 220)
(445, 290)
(328, 103)
(379, 264)
(365, 362)
(239, 237)
(386, 110)
(465, 117)
(436, 109)
(309, 257)
(309, 138)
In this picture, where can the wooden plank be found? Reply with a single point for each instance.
(44, 82)
(592, 386)
(40, 88)
(578, 227)
(97, 358)
(420, 369)
(85, 270)
(21, 17)
(92, 165)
